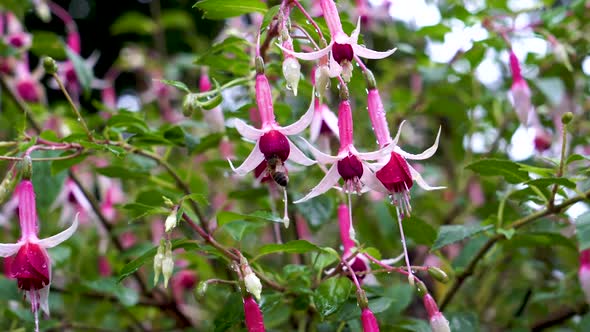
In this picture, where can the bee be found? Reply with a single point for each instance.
(277, 171)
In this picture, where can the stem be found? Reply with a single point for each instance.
(74, 107)
(310, 19)
(70, 156)
(561, 164)
(470, 269)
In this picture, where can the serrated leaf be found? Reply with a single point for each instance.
(511, 171)
(291, 247)
(583, 231)
(331, 295)
(222, 9)
(449, 234)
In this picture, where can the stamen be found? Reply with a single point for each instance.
(351, 231)
(401, 231)
(286, 215)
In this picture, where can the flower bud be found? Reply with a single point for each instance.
(253, 285)
(6, 186)
(292, 72)
(259, 63)
(202, 288)
(322, 80)
(253, 315)
(158, 258)
(438, 322)
(438, 274)
(369, 321)
(421, 288)
(167, 263)
(171, 220)
(26, 167)
(49, 65)
(567, 117)
(190, 104)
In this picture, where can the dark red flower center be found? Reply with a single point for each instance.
(16, 41)
(358, 266)
(27, 91)
(542, 142)
(342, 52)
(350, 168)
(30, 267)
(395, 175)
(273, 143)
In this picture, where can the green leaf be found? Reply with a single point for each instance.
(463, 321)
(61, 165)
(317, 211)
(331, 294)
(449, 234)
(415, 228)
(222, 9)
(540, 239)
(127, 296)
(83, 71)
(47, 43)
(545, 182)
(224, 217)
(47, 185)
(133, 22)
(291, 247)
(511, 171)
(237, 229)
(177, 84)
(135, 264)
(232, 313)
(122, 172)
(583, 230)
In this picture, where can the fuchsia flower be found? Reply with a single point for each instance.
(349, 164)
(342, 47)
(72, 202)
(15, 35)
(438, 322)
(31, 265)
(369, 321)
(521, 94)
(271, 139)
(359, 264)
(254, 319)
(584, 273)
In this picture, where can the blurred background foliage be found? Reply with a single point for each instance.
(451, 70)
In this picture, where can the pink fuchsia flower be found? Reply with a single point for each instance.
(359, 264)
(31, 265)
(72, 201)
(584, 273)
(15, 35)
(438, 322)
(521, 94)
(182, 283)
(342, 47)
(271, 139)
(253, 315)
(349, 164)
(369, 321)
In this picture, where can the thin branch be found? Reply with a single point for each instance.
(79, 117)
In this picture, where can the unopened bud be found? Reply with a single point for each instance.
(567, 117)
(42, 11)
(438, 274)
(26, 167)
(370, 78)
(171, 220)
(420, 288)
(202, 288)
(49, 65)
(322, 80)
(292, 72)
(347, 71)
(158, 258)
(190, 104)
(6, 186)
(167, 264)
(253, 285)
(259, 63)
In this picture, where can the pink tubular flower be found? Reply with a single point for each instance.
(342, 47)
(15, 35)
(359, 264)
(254, 319)
(584, 273)
(349, 164)
(438, 322)
(369, 321)
(271, 139)
(31, 265)
(521, 94)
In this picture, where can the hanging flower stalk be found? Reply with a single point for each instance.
(521, 94)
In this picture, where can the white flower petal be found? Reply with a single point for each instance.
(247, 131)
(44, 298)
(319, 156)
(298, 156)
(335, 69)
(309, 56)
(376, 155)
(370, 181)
(254, 159)
(399, 131)
(315, 127)
(9, 249)
(303, 122)
(370, 54)
(53, 241)
(329, 180)
(331, 120)
(420, 181)
(354, 36)
(421, 156)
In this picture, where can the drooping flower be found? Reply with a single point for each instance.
(31, 265)
(369, 321)
(253, 315)
(359, 264)
(72, 201)
(521, 94)
(584, 273)
(291, 67)
(342, 47)
(349, 164)
(438, 322)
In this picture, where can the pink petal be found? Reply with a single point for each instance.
(253, 160)
(331, 120)
(247, 131)
(370, 54)
(56, 239)
(354, 36)
(298, 156)
(329, 180)
(310, 56)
